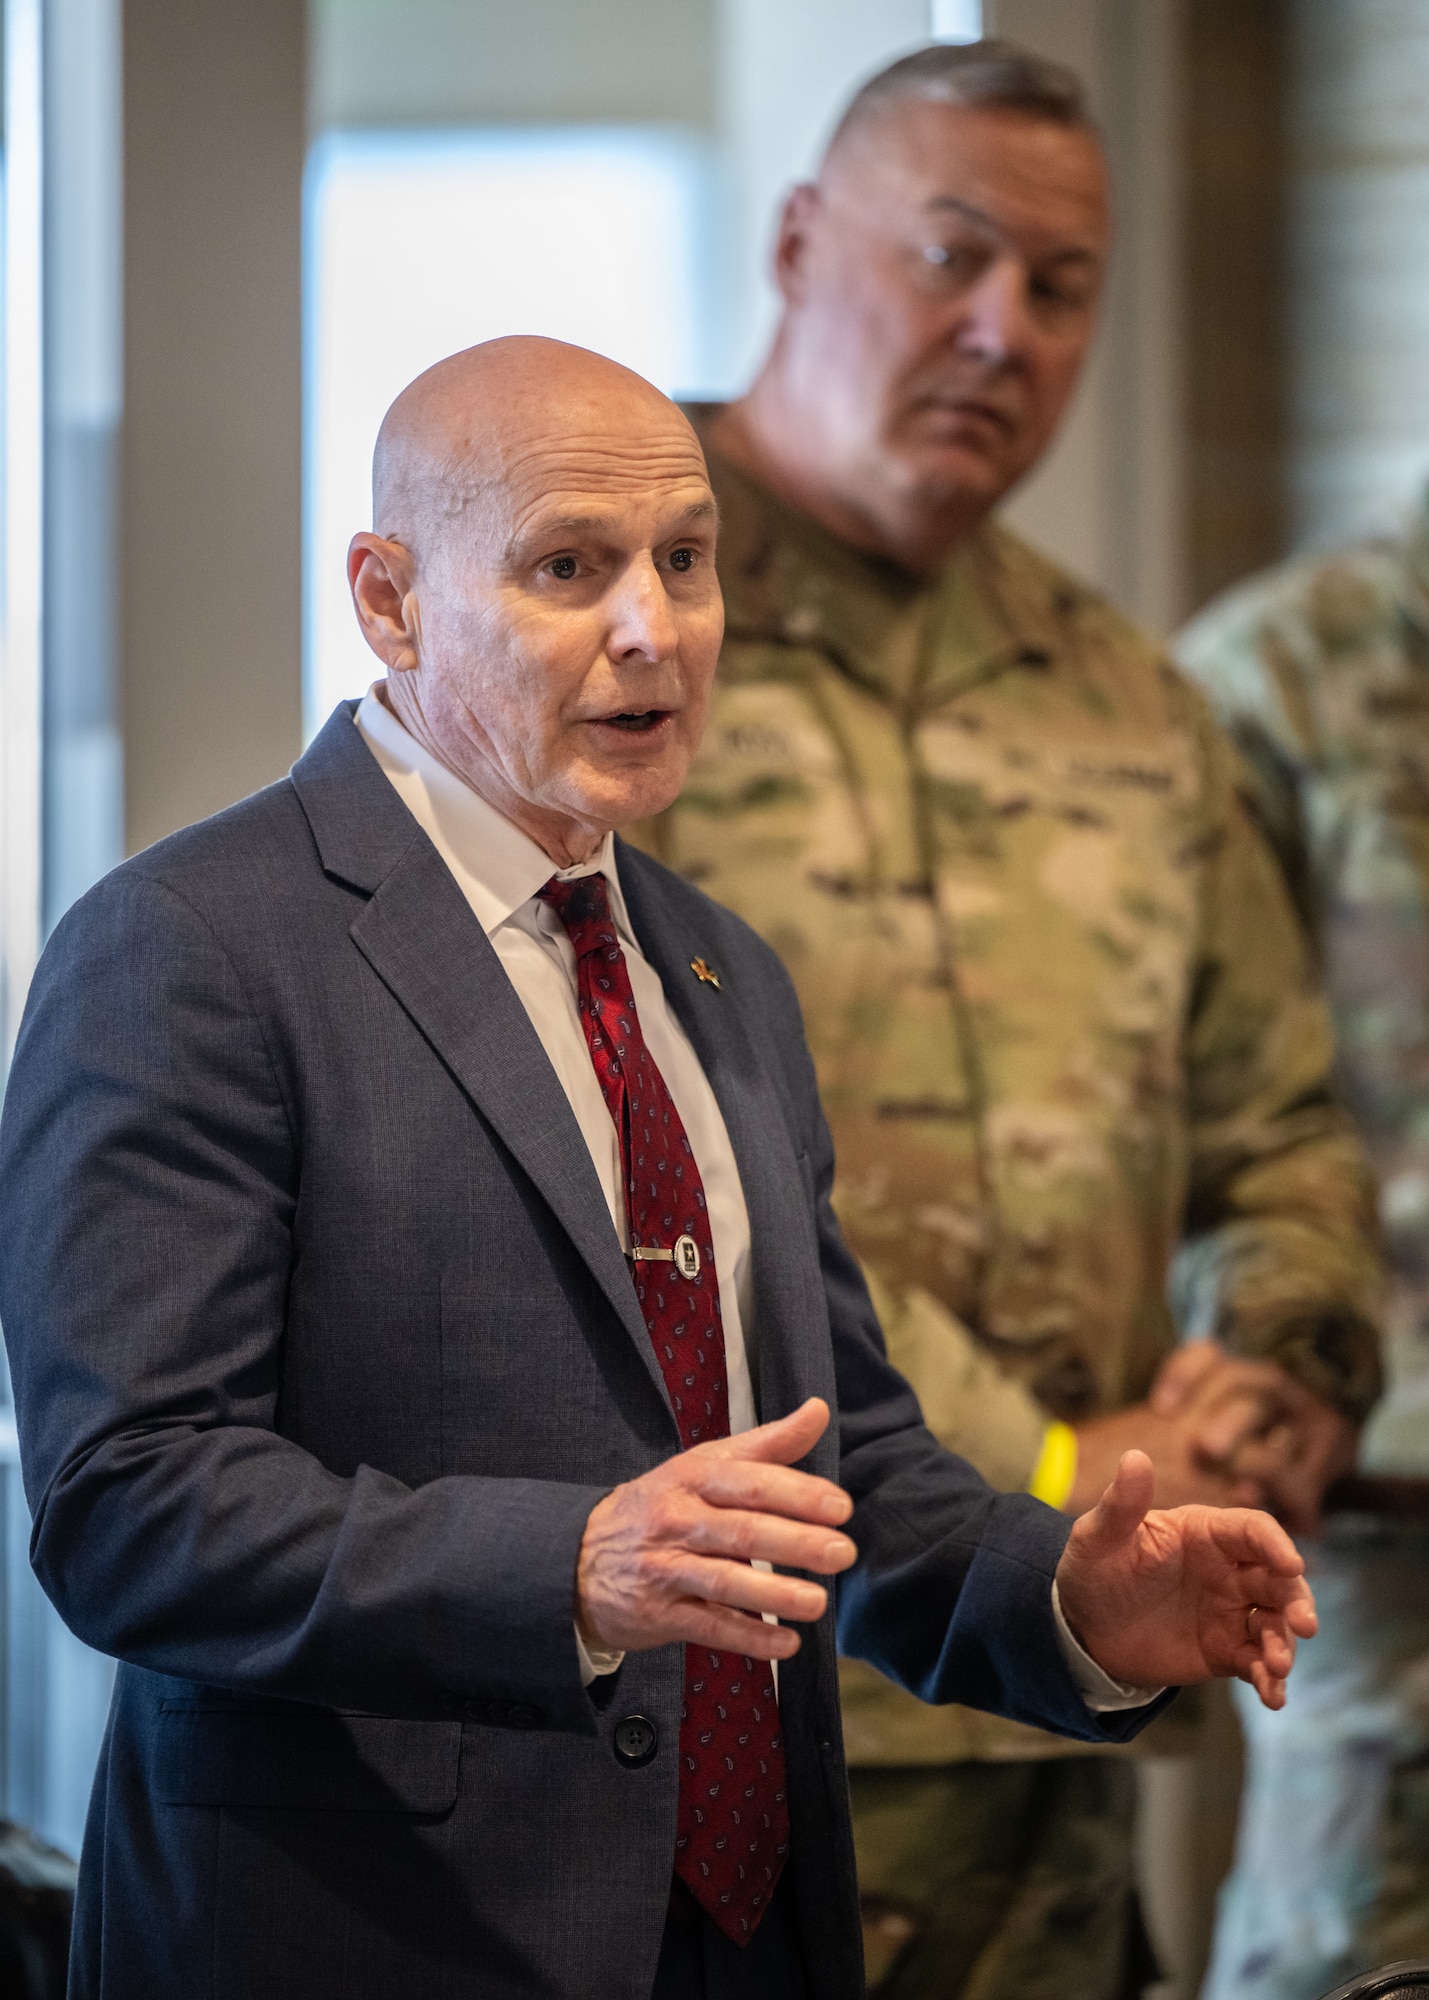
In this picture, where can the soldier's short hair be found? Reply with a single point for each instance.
(992, 75)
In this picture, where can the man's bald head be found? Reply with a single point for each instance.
(541, 586)
(452, 441)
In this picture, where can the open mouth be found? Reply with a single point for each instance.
(636, 722)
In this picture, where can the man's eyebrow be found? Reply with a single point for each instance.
(979, 217)
(701, 510)
(990, 226)
(562, 526)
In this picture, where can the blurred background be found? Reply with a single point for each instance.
(228, 235)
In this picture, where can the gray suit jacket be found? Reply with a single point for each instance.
(323, 1349)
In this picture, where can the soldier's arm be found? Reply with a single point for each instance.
(969, 1404)
(1279, 1259)
(986, 1415)
(1243, 656)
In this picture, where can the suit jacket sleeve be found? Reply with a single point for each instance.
(952, 1594)
(149, 1179)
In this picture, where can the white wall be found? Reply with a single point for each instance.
(786, 69)
(510, 62)
(1359, 247)
(1109, 500)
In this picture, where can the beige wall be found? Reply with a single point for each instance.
(210, 483)
(1358, 246)
(1109, 500)
(1235, 165)
(468, 62)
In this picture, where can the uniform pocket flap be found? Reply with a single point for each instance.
(313, 1760)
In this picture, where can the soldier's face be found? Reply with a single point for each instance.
(942, 284)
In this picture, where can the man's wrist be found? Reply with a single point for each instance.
(595, 1661)
(1102, 1695)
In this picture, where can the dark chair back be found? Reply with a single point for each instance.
(1406, 1979)
(36, 1908)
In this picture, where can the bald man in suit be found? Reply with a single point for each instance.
(426, 1311)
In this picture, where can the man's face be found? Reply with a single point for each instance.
(570, 619)
(942, 295)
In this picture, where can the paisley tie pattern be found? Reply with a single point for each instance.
(733, 1827)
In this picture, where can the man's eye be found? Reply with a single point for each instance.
(563, 567)
(1069, 297)
(682, 559)
(956, 261)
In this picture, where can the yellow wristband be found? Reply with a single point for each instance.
(1055, 1472)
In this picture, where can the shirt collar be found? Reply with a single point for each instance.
(497, 867)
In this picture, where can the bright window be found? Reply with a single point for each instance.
(419, 244)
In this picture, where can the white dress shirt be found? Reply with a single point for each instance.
(499, 870)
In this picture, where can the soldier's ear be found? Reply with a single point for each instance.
(791, 244)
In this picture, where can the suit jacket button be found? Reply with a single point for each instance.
(636, 1741)
(524, 1716)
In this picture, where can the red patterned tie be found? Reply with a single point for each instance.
(733, 1831)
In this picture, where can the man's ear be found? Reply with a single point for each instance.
(791, 245)
(382, 576)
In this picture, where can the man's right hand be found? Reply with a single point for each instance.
(667, 1556)
(1205, 1407)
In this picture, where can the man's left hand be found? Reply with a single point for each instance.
(1163, 1599)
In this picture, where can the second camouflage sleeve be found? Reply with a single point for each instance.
(1280, 1254)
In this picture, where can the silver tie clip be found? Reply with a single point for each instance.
(685, 1256)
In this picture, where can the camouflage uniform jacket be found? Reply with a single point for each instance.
(1055, 992)
(1321, 670)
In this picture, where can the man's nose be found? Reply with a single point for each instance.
(995, 320)
(642, 622)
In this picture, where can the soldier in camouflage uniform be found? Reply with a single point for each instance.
(1057, 996)
(1321, 668)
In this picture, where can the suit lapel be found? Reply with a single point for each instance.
(421, 939)
(419, 936)
(789, 1340)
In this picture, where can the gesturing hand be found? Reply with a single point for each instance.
(1161, 1599)
(668, 1555)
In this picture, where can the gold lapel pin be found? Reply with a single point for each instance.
(706, 974)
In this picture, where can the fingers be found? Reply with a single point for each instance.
(1246, 1536)
(1242, 1411)
(1302, 1617)
(722, 1481)
(736, 1586)
(1278, 1600)
(1266, 1662)
(1181, 1373)
(783, 1442)
(1237, 1400)
(1122, 1507)
(699, 1623)
(759, 1537)
(665, 1554)
(1270, 1687)
(1266, 1657)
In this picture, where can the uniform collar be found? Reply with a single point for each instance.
(497, 867)
(788, 582)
